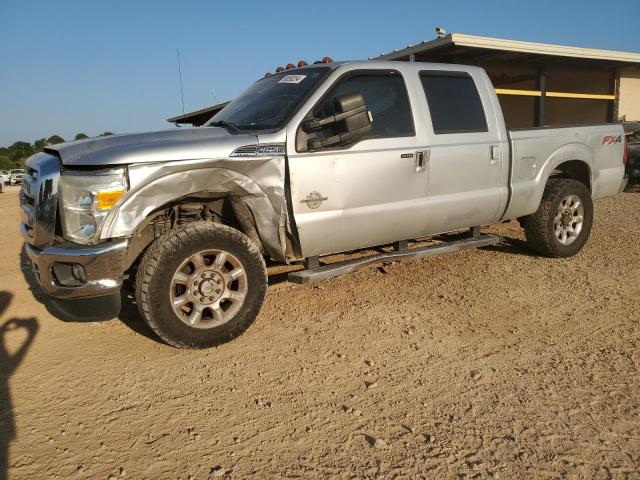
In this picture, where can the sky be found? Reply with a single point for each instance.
(87, 66)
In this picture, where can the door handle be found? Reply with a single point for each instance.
(494, 154)
(422, 160)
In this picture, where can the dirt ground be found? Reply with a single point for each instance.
(491, 363)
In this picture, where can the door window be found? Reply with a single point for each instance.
(454, 102)
(386, 98)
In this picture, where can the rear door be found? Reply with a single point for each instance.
(468, 156)
(362, 194)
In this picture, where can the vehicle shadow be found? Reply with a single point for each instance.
(130, 316)
(277, 278)
(513, 246)
(99, 309)
(9, 362)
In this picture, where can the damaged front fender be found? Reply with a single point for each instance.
(258, 183)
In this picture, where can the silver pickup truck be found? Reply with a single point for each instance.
(307, 162)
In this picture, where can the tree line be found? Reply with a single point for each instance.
(16, 155)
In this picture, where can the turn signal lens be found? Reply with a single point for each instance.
(106, 199)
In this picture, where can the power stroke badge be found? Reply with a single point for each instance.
(314, 200)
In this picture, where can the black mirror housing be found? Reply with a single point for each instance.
(351, 121)
(353, 103)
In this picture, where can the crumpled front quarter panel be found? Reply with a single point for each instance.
(259, 182)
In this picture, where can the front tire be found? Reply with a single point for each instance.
(561, 225)
(201, 285)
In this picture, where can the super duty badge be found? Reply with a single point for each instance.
(314, 200)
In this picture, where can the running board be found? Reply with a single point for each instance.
(339, 268)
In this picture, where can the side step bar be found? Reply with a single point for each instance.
(324, 272)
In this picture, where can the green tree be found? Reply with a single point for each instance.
(106, 134)
(20, 151)
(21, 146)
(81, 136)
(39, 144)
(54, 139)
(5, 163)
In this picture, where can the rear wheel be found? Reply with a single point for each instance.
(561, 225)
(201, 285)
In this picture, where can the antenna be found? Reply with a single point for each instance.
(180, 77)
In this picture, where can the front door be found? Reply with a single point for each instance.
(367, 193)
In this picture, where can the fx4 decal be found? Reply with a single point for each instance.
(612, 139)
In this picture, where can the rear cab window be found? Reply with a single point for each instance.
(454, 102)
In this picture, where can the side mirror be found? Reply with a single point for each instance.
(351, 121)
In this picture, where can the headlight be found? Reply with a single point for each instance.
(86, 200)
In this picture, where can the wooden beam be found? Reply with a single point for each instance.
(522, 93)
(586, 96)
(538, 93)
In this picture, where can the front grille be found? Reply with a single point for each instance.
(39, 199)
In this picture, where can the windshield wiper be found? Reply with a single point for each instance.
(231, 127)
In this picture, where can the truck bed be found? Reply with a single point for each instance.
(537, 152)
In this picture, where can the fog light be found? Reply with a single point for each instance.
(78, 273)
(69, 274)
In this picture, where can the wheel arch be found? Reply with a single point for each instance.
(574, 161)
(575, 170)
(226, 210)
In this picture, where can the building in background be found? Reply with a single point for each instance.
(541, 84)
(537, 84)
(199, 117)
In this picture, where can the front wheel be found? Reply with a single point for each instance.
(201, 285)
(561, 225)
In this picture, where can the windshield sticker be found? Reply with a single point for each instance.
(292, 79)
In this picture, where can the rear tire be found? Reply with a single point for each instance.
(561, 225)
(201, 285)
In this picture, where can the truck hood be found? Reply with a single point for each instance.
(161, 146)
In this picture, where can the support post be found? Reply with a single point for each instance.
(612, 107)
(475, 231)
(311, 262)
(401, 246)
(541, 84)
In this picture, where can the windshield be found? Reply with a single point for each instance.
(269, 102)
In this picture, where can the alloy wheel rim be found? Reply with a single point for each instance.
(569, 219)
(208, 289)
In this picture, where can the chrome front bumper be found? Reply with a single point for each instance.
(103, 266)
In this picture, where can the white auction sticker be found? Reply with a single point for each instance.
(292, 79)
